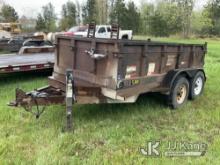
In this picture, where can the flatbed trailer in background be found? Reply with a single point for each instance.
(28, 59)
(11, 63)
(93, 71)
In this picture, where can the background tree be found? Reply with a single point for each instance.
(63, 22)
(102, 6)
(89, 12)
(170, 13)
(161, 19)
(119, 13)
(127, 16)
(185, 8)
(78, 15)
(47, 21)
(40, 23)
(158, 25)
(49, 17)
(212, 11)
(9, 14)
(201, 23)
(147, 10)
(69, 15)
(133, 17)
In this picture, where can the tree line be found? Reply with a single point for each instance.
(161, 18)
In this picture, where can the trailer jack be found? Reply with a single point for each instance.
(70, 99)
(40, 98)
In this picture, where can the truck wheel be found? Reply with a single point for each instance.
(197, 85)
(124, 37)
(179, 92)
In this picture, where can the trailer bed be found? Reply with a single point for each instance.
(26, 62)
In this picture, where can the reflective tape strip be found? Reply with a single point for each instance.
(46, 65)
(33, 67)
(40, 66)
(16, 69)
(25, 67)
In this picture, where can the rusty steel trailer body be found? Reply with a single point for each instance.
(91, 70)
(28, 59)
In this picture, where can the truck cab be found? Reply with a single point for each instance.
(104, 31)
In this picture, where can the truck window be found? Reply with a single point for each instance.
(102, 30)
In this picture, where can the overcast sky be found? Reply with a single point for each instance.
(32, 7)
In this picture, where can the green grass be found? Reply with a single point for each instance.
(110, 134)
(4, 52)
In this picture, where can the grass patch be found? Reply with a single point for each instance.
(4, 52)
(110, 134)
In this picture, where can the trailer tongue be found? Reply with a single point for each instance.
(89, 70)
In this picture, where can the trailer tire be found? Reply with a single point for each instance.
(197, 85)
(179, 92)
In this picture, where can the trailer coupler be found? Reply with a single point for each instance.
(39, 98)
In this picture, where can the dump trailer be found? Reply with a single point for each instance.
(28, 59)
(94, 71)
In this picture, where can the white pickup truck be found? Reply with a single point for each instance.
(104, 31)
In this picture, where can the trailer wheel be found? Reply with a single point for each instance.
(197, 85)
(179, 92)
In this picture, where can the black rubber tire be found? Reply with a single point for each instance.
(124, 38)
(172, 97)
(192, 94)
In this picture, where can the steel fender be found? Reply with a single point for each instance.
(172, 75)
